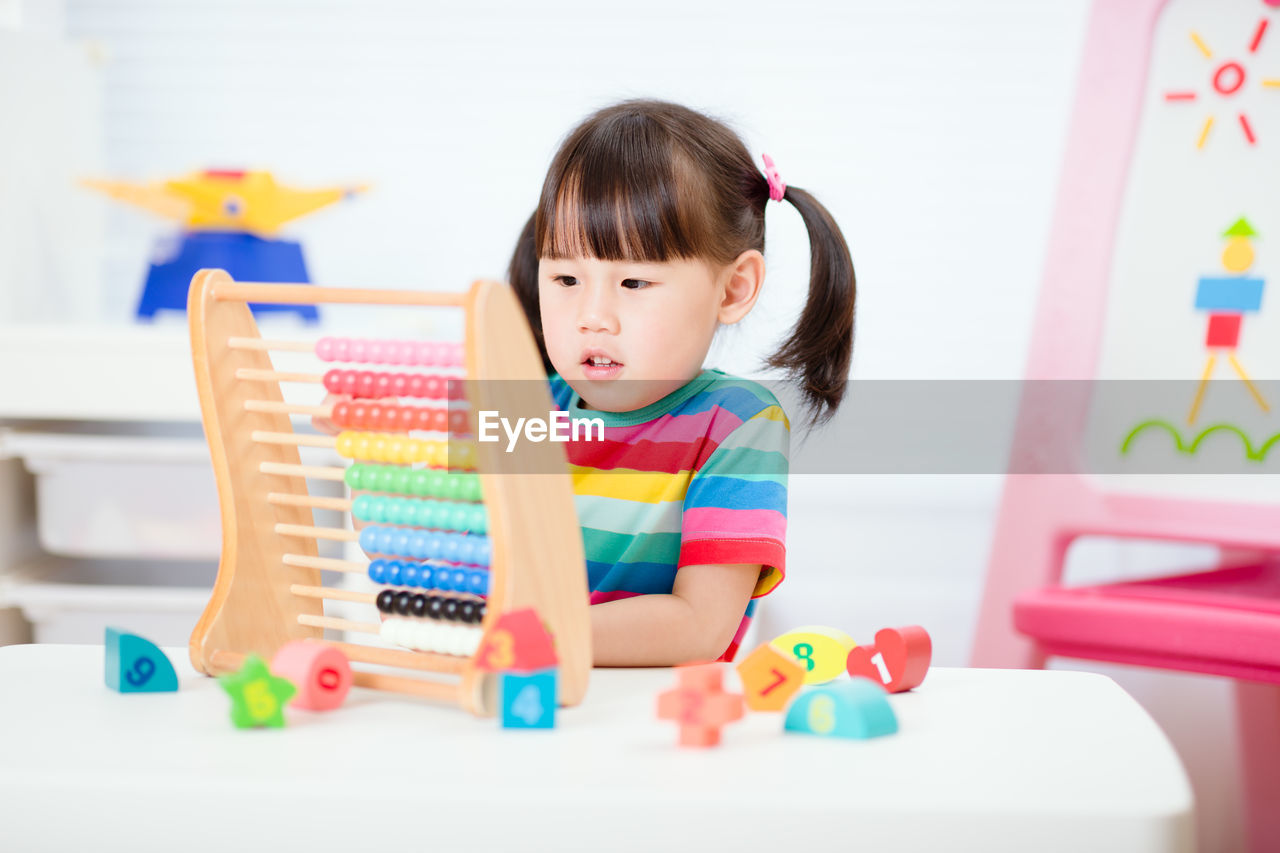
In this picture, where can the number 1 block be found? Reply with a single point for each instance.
(529, 699)
(136, 665)
(898, 661)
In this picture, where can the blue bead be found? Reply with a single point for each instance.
(484, 551)
(377, 571)
(417, 546)
(434, 546)
(426, 576)
(369, 539)
(478, 582)
(458, 579)
(386, 540)
(409, 574)
(450, 547)
(466, 550)
(443, 576)
(395, 570)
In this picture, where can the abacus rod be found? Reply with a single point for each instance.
(307, 294)
(400, 657)
(338, 624)
(307, 532)
(284, 499)
(262, 344)
(437, 690)
(274, 407)
(293, 439)
(290, 470)
(327, 564)
(256, 375)
(328, 593)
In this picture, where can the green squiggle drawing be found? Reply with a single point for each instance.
(1257, 455)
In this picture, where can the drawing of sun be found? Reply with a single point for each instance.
(1227, 80)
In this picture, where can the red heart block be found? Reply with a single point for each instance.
(897, 661)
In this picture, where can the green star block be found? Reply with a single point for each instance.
(257, 696)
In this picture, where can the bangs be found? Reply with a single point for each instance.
(624, 196)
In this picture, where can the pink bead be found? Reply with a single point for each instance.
(341, 349)
(321, 673)
(324, 349)
(404, 352)
(377, 352)
(455, 358)
(359, 350)
(421, 354)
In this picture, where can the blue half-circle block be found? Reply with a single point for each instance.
(136, 665)
(245, 256)
(856, 709)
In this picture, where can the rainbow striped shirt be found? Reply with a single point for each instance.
(698, 477)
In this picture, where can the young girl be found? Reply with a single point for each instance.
(649, 234)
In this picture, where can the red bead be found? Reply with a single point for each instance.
(333, 381)
(341, 412)
(413, 386)
(432, 387)
(421, 418)
(358, 412)
(458, 422)
(399, 384)
(364, 384)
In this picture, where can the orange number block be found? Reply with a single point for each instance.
(700, 704)
(518, 641)
(770, 678)
(897, 661)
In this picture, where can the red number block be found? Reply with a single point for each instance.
(517, 641)
(321, 673)
(897, 661)
(700, 704)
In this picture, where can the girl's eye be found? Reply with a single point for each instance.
(635, 283)
(566, 280)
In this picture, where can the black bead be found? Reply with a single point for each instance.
(419, 605)
(386, 600)
(467, 612)
(435, 606)
(402, 602)
(451, 609)
(481, 609)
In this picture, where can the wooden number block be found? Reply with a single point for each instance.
(822, 651)
(700, 704)
(770, 678)
(897, 661)
(529, 699)
(136, 665)
(321, 673)
(257, 696)
(857, 709)
(518, 640)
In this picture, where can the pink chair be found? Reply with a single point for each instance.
(1225, 621)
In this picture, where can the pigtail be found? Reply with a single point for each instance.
(817, 352)
(522, 273)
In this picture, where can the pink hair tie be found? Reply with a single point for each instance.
(776, 186)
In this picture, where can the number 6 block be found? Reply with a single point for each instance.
(136, 665)
(856, 709)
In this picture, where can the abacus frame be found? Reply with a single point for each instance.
(537, 553)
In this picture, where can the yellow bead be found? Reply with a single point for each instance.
(346, 444)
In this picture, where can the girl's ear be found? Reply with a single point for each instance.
(741, 281)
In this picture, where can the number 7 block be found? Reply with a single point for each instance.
(769, 678)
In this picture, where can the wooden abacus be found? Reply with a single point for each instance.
(268, 589)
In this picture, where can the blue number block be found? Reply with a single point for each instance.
(1231, 293)
(136, 665)
(857, 709)
(529, 699)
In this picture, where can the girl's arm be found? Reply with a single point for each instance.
(696, 622)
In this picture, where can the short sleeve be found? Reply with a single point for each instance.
(735, 510)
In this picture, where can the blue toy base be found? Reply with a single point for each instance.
(244, 256)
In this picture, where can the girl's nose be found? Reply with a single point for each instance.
(597, 312)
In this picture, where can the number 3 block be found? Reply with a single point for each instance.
(898, 661)
(855, 709)
(769, 678)
(529, 699)
(136, 665)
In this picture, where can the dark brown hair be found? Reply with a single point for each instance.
(652, 181)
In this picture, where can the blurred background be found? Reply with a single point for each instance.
(932, 130)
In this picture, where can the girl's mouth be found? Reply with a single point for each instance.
(600, 367)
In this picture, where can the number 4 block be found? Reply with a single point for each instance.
(136, 665)
(529, 699)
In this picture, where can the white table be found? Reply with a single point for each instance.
(986, 760)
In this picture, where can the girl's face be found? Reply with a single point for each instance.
(625, 334)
